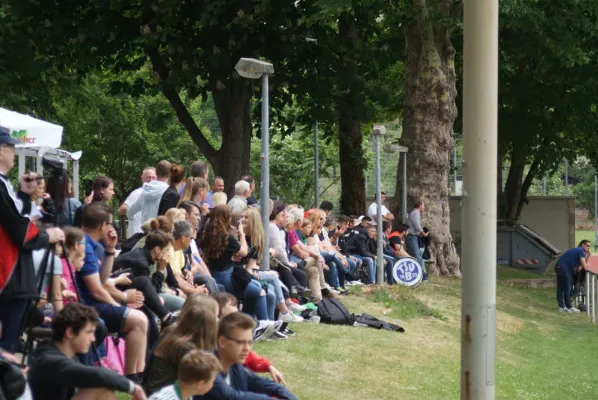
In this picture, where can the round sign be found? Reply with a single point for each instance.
(407, 272)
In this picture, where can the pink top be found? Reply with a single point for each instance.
(293, 238)
(70, 285)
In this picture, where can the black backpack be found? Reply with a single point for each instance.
(332, 311)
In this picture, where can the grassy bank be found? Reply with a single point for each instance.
(541, 354)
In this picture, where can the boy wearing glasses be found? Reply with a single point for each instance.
(234, 382)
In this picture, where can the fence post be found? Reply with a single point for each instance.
(593, 294)
(587, 288)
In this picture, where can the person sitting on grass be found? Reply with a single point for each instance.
(196, 329)
(228, 304)
(196, 374)
(56, 375)
(234, 382)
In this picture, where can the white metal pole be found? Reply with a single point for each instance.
(379, 253)
(566, 177)
(595, 211)
(316, 167)
(479, 170)
(544, 185)
(265, 185)
(455, 167)
(588, 294)
(404, 190)
(593, 289)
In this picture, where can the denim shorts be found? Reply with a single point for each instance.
(114, 316)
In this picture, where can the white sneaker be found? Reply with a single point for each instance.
(290, 317)
(294, 307)
(263, 330)
(563, 309)
(573, 310)
(357, 283)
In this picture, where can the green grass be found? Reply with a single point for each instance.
(584, 235)
(540, 354)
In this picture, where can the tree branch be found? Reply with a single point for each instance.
(179, 107)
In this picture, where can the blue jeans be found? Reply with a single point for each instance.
(171, 302)
(12, 315)
(370, 266)
(211, 285)
(412, 247)
(563, 287)
(254, 302)
(390, 262)
(336, 273)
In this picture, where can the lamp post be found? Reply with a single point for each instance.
(316, 142)
(378, 132)
(251, 68)
(478, 288)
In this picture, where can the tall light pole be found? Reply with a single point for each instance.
(480, 105)
(379, 131)
(316, 143)
(251, 68)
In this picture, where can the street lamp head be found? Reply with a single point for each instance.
(253, 69)
(379, 130)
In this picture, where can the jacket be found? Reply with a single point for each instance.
(67, 374)
(149, 201)
(358, 244)
(170, 199)
(245, 385)
(18, 238)
(256, 363)
(138, 260)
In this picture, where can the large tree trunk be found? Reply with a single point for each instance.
(512, 192)
(351, 157)
(232, 104)
(233, 108)
(429, 114)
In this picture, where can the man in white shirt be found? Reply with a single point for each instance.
(148, 175)
(149, 200)
(373, 210)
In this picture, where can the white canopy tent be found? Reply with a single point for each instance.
(37, 138)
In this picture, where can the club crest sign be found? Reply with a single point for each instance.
(407, 272)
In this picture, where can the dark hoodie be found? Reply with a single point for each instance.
(138, 260)
(53, 376)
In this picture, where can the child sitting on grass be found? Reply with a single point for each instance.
(196, 375)
(228, 305)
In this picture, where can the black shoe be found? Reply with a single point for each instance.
(169, 321)
(288, 332)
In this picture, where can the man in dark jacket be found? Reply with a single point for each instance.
(18, 238)
(357, 245)
(55, 373)
(235, 337)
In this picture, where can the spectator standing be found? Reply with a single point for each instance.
(61, 193)
(171, 197)
(217, 187)
(326, 206)
(251, 201)
(148, 175)
(18, 237)
(572, 259)
(373, 210)
(149, 201)
(199, 169)
(414, 232)
(239, 202)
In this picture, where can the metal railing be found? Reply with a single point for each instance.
(591, 286)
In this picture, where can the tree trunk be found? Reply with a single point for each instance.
(232, 104)
(429, 114)
(512, 192)
(351, 157)
(351, 163)
(233, 108)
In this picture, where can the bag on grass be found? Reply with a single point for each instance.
(332, 311)
(373, 322)
(115, 353)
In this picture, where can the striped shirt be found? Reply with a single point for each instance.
(167, 393)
